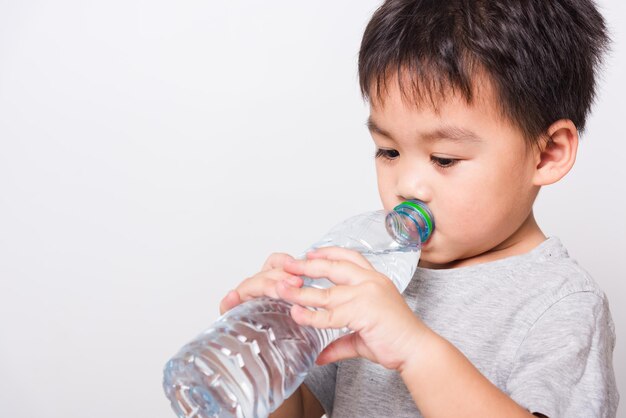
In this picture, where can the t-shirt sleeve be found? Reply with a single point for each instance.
(321, 382)
(564, 366)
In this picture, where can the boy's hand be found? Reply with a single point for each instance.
(262, 283)
(364, 300)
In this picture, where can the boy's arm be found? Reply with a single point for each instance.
(443, 382)
(302, 404)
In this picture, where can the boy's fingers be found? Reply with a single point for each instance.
(263, 284)
(275, 260)
(321, 318)
(338, 253)
(231, 300)
(337, 271)
(256, 286)
(313, 297)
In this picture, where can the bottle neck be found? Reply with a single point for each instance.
(410, 223)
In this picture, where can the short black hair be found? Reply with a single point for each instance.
(541, 56)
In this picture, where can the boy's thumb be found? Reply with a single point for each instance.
(341, 349)
(231, 300)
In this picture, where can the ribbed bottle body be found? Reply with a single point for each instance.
(251, 359)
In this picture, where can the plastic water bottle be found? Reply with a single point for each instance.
(255, 356)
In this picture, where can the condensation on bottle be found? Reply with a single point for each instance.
(255, 356)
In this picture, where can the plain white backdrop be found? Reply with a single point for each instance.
(153, 153)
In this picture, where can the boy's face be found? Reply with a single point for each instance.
(469, 165)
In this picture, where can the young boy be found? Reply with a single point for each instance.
(473, 107)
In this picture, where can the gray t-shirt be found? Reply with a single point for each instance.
(536, 325)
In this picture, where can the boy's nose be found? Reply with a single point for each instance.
(413, 186)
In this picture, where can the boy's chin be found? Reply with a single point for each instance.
(437, 256)
(432, 260)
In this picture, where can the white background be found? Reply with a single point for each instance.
(153, 153)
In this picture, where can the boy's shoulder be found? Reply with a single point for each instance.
(554, 256)
(547, 266)
(524, 287)
(567, 334)
(550, 269)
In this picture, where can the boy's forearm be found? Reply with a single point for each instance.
(443, 382)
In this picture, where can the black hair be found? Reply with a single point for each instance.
(541, 56)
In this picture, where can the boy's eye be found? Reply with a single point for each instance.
(387, 154)
(443, 162)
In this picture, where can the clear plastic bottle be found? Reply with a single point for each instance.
(255, 356)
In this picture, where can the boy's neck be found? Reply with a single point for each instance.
(524, 239)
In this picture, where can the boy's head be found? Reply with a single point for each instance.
(491, 93)
(540, 56)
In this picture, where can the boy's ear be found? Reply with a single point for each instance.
(557, 153)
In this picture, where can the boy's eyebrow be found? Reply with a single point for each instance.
(453, 133)
(374, 128)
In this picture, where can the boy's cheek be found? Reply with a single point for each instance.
(388, 202)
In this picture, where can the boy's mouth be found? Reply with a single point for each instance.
(428, 242)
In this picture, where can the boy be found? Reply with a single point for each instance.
(473, 107)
